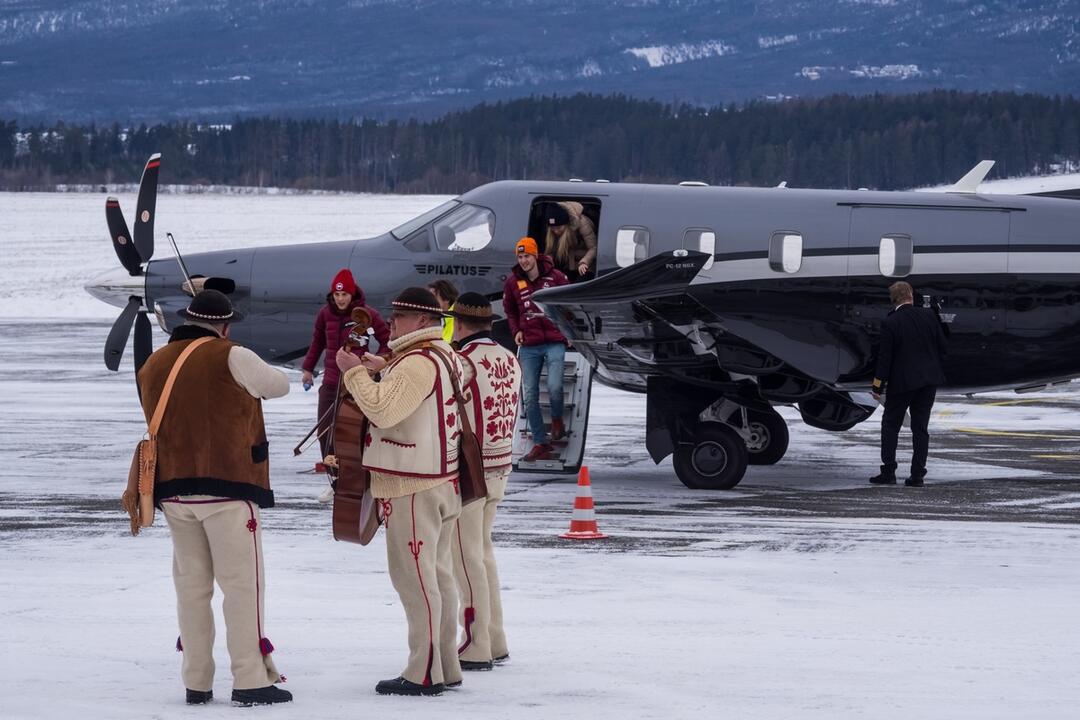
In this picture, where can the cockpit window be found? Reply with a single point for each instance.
(406, 229)
(466, 229)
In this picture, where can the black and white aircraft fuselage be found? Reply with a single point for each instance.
(717, 302)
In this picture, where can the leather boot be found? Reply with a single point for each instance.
(401, 686)
(884, 478)
(476, 665)
(199, 697)
(539, 451)
(268, 695)
(558, 430)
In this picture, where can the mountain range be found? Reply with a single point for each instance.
(212, 60)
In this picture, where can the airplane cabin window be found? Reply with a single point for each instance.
(631, 245)
(785, 252)
(702, 240)
(408, 228)
(418, 241)
(895, 255)
(467, 229)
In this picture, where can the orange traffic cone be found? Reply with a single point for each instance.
(583, 522)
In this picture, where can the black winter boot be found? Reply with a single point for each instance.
(401, 686)
(261, 696)
(199, 697)
(476, 665)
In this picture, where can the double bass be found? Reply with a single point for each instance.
(355, 514)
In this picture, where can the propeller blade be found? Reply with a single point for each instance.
(118, 336)
(146, 207)
(121, 237)
(144, 340)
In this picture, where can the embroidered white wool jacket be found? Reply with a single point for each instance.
(493, 382)
(414, 426)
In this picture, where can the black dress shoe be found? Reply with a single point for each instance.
(453, 686)
(477, 665)
(914, 481)
(199, 697)
(502, 659)
(883, 479)
(401, 686)
(261, 696)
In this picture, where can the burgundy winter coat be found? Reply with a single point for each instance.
(525, 315)
(330, 333)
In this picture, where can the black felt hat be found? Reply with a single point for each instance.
(210, 306)
(418, 299)
(557, 215)
(472, 306)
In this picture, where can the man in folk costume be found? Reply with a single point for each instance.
(212, 481)
(411, 451)
(493, 380)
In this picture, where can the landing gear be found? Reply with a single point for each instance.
(715, 459)
(768, 439)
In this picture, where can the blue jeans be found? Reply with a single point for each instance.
(532, 359)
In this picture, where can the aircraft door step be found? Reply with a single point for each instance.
(568, 452)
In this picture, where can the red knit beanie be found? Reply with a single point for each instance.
(344, 281)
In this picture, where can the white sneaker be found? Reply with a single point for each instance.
(326, 495)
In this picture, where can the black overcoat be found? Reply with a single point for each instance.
(912, 348)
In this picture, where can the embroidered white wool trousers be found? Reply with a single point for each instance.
(477, 575)
(419, 536)
(219, 539)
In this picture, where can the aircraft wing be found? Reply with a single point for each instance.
(607, 319)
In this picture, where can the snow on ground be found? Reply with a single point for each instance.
(910, 620)
(695, 606)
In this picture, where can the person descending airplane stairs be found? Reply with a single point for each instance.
(569, 451)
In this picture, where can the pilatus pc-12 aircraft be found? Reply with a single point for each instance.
(718, 303)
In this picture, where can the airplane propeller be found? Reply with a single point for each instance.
(133, 252)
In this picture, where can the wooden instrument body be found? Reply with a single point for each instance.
(356, 517)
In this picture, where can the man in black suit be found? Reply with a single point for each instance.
(909, 370)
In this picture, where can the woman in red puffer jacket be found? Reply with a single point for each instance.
(329, 335)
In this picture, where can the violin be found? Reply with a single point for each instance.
(356, 518)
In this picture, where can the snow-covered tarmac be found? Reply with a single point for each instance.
(802, 593)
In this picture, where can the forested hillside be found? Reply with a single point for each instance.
(884, 142)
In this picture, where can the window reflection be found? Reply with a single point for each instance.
(895, 255)
(467, 229)
(785, 252)
(631, 245)
(703, 241)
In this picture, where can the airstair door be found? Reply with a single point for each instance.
(577, 389)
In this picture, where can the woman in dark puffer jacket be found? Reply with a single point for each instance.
(328, 336)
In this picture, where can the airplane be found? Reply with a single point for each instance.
(717, 303)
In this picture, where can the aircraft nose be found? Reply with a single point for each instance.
(116, 286)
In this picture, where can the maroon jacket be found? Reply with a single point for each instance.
(525, 315)
(330, 333)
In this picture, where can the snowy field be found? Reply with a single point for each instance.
(804, 593)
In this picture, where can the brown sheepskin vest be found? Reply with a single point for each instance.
(212, 440)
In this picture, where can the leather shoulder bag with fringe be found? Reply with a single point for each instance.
(138, 498)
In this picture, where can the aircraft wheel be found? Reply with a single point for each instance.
(768, 437)
(715, 460)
